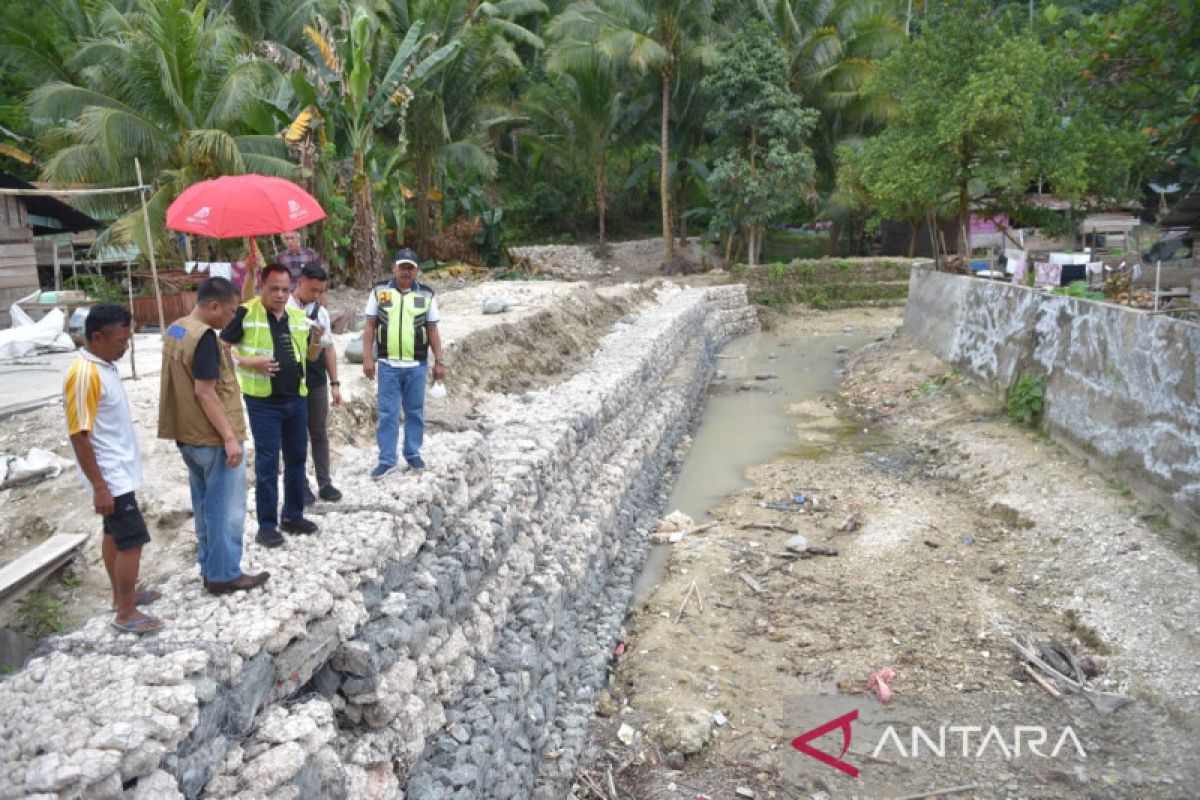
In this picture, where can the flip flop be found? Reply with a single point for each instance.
(139, 626)
(143, 598)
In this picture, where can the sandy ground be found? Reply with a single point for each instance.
(955, 529)
(545, 334)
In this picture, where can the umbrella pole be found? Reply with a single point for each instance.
(162, 322)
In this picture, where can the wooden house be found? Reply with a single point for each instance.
(25, 219)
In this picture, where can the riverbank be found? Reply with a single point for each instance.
(954, 530)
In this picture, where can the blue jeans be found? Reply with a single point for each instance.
(278, 424)
(219, 504)
(400, 386)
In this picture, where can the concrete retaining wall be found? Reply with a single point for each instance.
(1122, 386)
(444, 634)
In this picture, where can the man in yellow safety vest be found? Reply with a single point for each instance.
(271, 343)
(401, 330)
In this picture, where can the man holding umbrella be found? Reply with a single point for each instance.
(272, 343)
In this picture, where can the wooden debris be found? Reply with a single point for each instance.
(1045, 684)
(968, 787)
(692, 589)
(767, 526)
(753, 584)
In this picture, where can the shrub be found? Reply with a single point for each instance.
(1024, 402)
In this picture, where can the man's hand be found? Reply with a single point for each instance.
(102, 500)
(233, 452)
(316, 332)
(369, 367)
(439, 372)
(337, 395)
(264, 364)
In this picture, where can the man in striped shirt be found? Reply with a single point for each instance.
(296, 257)
(106, 449)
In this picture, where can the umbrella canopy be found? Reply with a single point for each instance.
(243, 205)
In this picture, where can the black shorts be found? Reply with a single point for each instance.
(125, 524)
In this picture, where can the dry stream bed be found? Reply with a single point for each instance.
(955, 530)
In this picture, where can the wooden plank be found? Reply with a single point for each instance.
(18, 281)
(18, 249)
(28, 570)
(15, 235)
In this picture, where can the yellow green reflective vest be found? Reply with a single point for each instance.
(400, 327)
(256, 341)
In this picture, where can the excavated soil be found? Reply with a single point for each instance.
(954, 530)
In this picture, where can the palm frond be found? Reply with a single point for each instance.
(243, 82)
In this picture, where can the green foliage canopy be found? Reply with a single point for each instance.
(762, 165)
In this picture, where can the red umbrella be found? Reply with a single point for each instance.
(243, 205)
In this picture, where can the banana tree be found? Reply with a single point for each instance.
(339, 82)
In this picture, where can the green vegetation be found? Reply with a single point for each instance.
(1079, 289)
(1024, 401)
(40, 614)
(412, 120)
(825, 283)
(932, 386)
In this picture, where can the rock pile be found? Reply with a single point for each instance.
(445, 633)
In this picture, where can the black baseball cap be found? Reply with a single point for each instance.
(407, 255)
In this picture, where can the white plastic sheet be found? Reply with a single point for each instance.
(27, 337)
(37, 463)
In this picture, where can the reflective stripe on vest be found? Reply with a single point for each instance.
(404, 336)
(256, 341)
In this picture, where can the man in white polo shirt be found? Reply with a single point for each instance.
(106, 449)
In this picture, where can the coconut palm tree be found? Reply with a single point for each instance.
(279, 21)
(359, 81)
(576, 117)
(451, 123)
(833, 48)
(169, 84)
(659, 35)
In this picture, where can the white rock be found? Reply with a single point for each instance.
(157, 786)
(797, 544)
(278, 730)
(277, 765)
(494, 304)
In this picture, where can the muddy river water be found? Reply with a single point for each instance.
(745, 419)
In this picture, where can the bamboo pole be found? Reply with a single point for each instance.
(57, 270)
(132, 339)
(162, 321)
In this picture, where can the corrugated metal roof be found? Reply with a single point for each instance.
(1184, 214)
(69, 219)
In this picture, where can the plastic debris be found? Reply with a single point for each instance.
(879, 682)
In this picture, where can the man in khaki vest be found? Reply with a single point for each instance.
(201, 409)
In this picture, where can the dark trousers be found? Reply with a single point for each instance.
(278, 425)
(318, 434)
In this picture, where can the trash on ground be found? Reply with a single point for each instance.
(27, 337)
(1050, 656)
(879, 682)
(37, 465)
